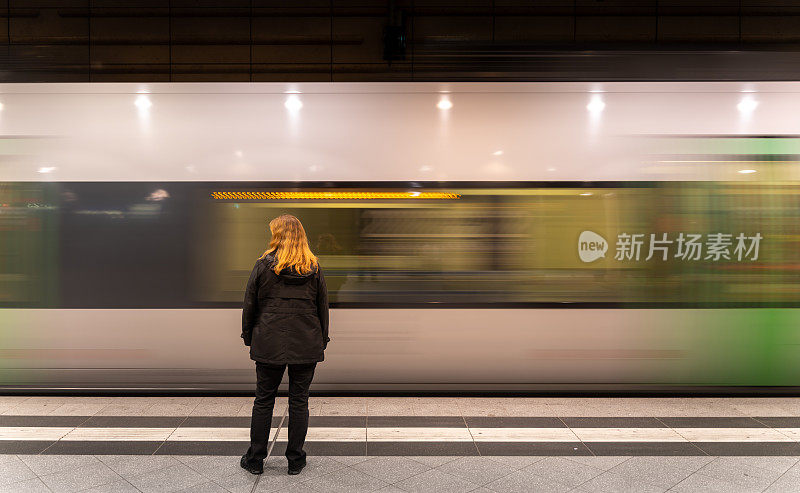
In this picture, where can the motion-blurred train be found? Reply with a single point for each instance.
(475, 237)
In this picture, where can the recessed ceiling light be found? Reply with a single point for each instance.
(293, 103)
(444, 104)
(596, 105)
(143, 102)
(747, 104)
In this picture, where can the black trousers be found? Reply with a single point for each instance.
(269, 377)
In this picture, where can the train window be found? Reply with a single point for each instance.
(518, 245)
(659, 244)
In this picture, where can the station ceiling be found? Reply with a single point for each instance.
(403, 40)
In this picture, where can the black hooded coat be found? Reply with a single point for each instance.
(285, 317)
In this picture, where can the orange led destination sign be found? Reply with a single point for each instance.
(333, 195)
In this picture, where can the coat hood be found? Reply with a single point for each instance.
(289, 275)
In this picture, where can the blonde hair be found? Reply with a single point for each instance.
(289, 245)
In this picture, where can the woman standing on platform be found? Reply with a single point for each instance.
(285, 322)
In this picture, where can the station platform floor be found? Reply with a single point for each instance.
(405, 444)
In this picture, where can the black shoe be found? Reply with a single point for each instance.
(249, 467)
(295, 469)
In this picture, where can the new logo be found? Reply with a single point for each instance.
(591, 246)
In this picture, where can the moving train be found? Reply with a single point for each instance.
(486, 237)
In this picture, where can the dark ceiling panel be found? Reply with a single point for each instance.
(374, 40)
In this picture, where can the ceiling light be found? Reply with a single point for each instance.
(143, 102)
(747, 104)
(444, 104)
(293, 103)
(596, 105)
(746, 171)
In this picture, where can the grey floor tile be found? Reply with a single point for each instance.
(220, 408)
(563, 470)
(43, 465)
(115, 487)
(524, 482)
(13, 470)
(515, 461)
(349, 460)
(275, 479)
(238, 479)
(37, 406)
(79, 408)
(690, 463)
(34, 485)
(127, 406)
(391, 489)
(81, 478)
(227, 448)
(391, 469)
(435, 480)
(316, 466)
(651, 470)
(477, 470)
(699, 482)
(292, 488)
(170, 409)
(608, 482)
(772, 463)
(343, 406)
(604, 462)
(13, 400)
(788, 482)
(434, 460)
(345, 480)
(173, 478)
(209, 487)
(511, 407)
(134, 465)
(750, 477)
(413, 406)
(212, 467)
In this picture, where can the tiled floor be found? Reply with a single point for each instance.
(408, 406)
(169, 444)
(124, 473)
